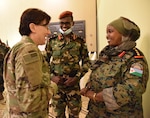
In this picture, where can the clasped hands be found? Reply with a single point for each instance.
(67, 81)
(96, 97)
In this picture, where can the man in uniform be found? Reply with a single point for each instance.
(67, 50)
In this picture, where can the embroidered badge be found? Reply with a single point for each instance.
(136, 69)
(31, 57)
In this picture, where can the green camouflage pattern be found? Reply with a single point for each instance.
(66, 58)
(3, 50)
(27, 82)
(73, 102)
(114, 72)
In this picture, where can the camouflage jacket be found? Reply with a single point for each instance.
(122, 76)
(3, 50)
(27, 81)
(66, 55)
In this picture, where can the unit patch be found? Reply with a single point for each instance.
(30, 57)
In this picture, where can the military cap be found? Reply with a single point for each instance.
(126, 27)
(65, 14)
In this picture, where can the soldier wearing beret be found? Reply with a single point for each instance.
(66, 50)
(119, 76)
(28, 88)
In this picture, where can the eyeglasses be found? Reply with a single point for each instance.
(65, 23)
(45, 25)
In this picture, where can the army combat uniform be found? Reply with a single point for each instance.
(3, 50)
(66, 56)
(27, 82)
(122, 76)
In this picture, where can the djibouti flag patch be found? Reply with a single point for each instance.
(136, 72)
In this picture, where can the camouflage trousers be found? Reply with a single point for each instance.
(42, 114)
(98, 110)
(68, 100)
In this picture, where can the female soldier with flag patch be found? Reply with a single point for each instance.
(119, 77)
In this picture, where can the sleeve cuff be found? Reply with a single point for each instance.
(53, 88)
(109, 99)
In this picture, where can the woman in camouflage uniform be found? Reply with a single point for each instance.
(26, 73)
(119, 77)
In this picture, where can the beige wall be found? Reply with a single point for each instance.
(11, 10)
(136, 10)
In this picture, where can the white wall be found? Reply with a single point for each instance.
(136, 10)
(11, 10)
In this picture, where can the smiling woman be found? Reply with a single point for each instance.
(119, 76)
(26, 72)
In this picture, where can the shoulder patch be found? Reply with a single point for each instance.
(121, 54)
(136, 69)
(31, 57)
(60, 37)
